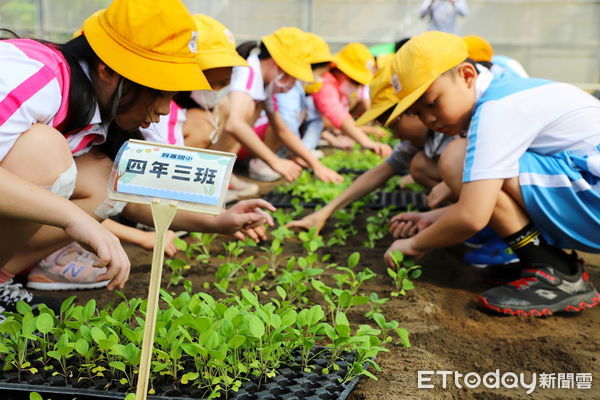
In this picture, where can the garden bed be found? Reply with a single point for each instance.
(448, 331)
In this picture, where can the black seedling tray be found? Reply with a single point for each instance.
(344, 170)
(291, 383)
(400, 200)
(397, 200)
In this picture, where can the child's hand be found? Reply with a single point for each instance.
(148, 238)
(439, 194)
(244, 215)
(316, 220)
(405, 180)
(91, 234)
(339, 141)
(257, 234)
(405, 246)
(327, 175)
(287, 168)
(382, 150)
(408, 224)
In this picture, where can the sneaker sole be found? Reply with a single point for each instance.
(473, 245)
(575, 304)
(486, 265)
(66, 286)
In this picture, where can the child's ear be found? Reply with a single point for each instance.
(468, 73)
(106, 74)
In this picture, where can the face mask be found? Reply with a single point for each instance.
(347, 88)
(208, 99)
(277, 87)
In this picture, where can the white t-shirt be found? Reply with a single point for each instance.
(515, 115)
(169, 129)
(249, 79)
(34, 88)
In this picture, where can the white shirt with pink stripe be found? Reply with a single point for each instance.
(34, 88)
(249, 79)
(169, 129)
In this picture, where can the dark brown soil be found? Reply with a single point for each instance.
(448, 331)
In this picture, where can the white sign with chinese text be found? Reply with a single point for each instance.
(196, 178)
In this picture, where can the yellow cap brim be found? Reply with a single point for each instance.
(409, 99)
(297, 69)
(362, 77)
(219, 59)
(373, 112)
(170, 76)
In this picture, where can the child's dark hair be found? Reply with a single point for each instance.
(382, 119)
(244, 49)
(400, 43)
(486, 64)
(336, 71)
(319, 65)
(115, 138)
(82, 95)
(467, 60)
(184, 100)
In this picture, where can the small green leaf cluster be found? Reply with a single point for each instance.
(405, 271)
(377, 226)
(356, 159)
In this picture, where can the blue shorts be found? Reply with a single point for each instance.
(562, 197)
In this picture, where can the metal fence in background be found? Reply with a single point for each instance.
(555, 39)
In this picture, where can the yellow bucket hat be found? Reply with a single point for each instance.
(479, 48)
(216, 44)
(150, 42)
(420, 62)
(382, 60)
(356, 61)
(383, 95)
(287, 47)
(320, 49)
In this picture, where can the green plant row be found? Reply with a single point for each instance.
(356, 159)
(200, 342)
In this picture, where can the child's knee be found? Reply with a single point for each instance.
(42, 156)
(91, 191)
(452, 160)
(418, 165)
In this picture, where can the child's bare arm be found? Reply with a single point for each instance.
(294, 143)
(461, 220)
(364, 184)
(349, 128)
(241, 109)
(144, 239)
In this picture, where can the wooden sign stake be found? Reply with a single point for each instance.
(163, 215)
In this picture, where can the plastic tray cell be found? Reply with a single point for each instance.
(291, 383)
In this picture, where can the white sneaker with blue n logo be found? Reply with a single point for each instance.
(68, 268)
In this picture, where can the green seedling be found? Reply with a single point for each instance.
(387, 327)
(273, 254)
(375, 304)
(377, 227)
(404, 273)
(177, 267)
(349, 277)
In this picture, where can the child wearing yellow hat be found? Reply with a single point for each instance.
(529, 167)
(353, 67)
(218, 53)
(196, 117)
(280, 59)
(482, 52)
(122, 69)
(416, 154)
(296, 106)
